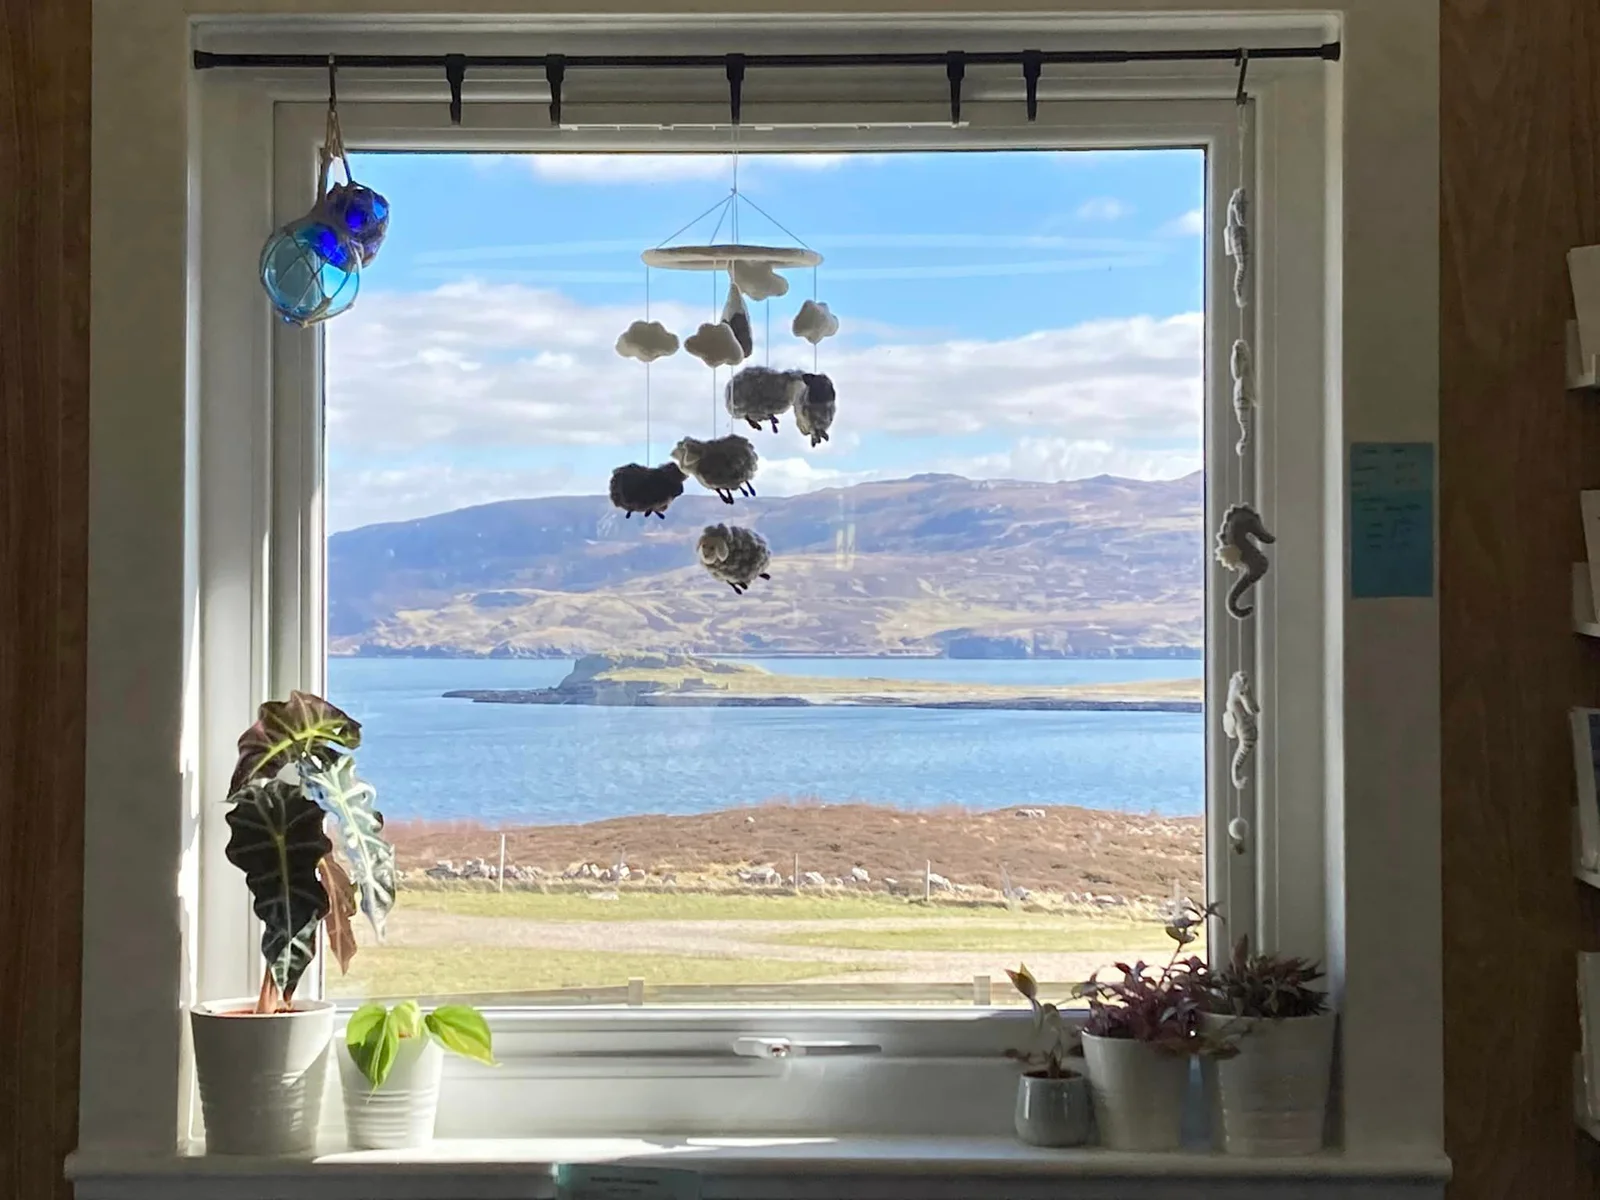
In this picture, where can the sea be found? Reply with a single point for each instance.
(508, 764)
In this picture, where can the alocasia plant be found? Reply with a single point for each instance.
(295, 778)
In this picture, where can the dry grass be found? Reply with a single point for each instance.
(1067, 850)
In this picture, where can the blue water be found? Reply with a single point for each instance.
(534, 764)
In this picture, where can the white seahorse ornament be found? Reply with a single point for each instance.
(1242, 363)
(1239, 543)
(1236, 241)
(1240, 721)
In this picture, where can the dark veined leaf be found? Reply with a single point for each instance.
(373, 1038)
(462, 1030)
(341, 939)
(278, 842)
(302, 728)
(370, 859)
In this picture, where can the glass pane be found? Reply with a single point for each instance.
(958, 728)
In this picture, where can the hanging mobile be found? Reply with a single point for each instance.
(311, 267)
(1239, 549)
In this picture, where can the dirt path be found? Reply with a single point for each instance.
(759, 940)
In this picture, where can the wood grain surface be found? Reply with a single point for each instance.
(44, 413)
(1520, 166)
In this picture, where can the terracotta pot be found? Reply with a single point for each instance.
(1138, 1093)
(261, 1076)
(1053, 1112)
(1274, 1093)
(399, 1113)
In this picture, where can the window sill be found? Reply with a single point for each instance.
(754, 1168)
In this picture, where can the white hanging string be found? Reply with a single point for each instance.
(647, 457)
(814, 345)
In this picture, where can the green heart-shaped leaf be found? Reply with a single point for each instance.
(462, 1030)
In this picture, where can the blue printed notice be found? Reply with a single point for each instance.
(1391, 519)
(606, 1181)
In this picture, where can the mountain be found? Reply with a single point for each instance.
(934, 564)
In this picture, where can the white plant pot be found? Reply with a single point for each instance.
(400, 1113)
(1138, 1093)
(1274, 1092)
(1053, 1112)
(261, 1076)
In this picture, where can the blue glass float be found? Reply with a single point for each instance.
(362, 213)
(310, 268)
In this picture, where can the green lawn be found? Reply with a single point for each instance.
(691, 906)
(402, 971)
(1053, 934)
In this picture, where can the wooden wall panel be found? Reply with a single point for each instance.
(1520, 164)
(44, 407)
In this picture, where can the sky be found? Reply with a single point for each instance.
(1018, 314)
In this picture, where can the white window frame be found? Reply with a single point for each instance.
(265, 423)
(162, 142)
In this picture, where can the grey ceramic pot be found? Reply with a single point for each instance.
(1054, 1112)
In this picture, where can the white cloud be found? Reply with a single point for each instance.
(658, 168)
(1191, 224)
(474, 367)
(1103, 208)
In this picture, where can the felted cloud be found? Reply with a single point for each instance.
(715, 345)
(758, 280)
(647, 341)
(814, 322)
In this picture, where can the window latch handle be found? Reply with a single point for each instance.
(782, 1047)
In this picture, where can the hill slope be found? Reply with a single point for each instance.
(927, 565)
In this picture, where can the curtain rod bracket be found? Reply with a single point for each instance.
(735, 70)
(1240, 96)
(455, 72)
(1032, 65)
(555, 70)
(955, 69)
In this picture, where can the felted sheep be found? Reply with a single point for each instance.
(735, 555)
(737, 318)
(647, 490)
(813, 411)
(723, 465)
(758, 394)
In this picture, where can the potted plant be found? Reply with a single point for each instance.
(1141, 1032)
(390, 1063)
(261, 1061)
(1272, 1077)
(1052, 1099)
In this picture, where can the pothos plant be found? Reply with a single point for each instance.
(375, 1033)
(294, 783)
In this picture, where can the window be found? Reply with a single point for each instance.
(317, 505)
(960, 725)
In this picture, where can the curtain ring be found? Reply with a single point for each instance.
(1243, 59)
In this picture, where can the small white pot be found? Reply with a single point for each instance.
(1053, 1112)
(261, 1076)
(1138, 1093)
(1274, 1092)
(400, 1113)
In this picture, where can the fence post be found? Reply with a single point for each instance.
(502, 876)
(981, 995)
(796, 876)
(635, 993)
(927, 880)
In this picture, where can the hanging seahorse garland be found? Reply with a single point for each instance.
(1242, 364)
(1236, 241)
(1238, 550)
(1241, 723)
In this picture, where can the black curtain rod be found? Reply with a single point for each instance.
(207, 60)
